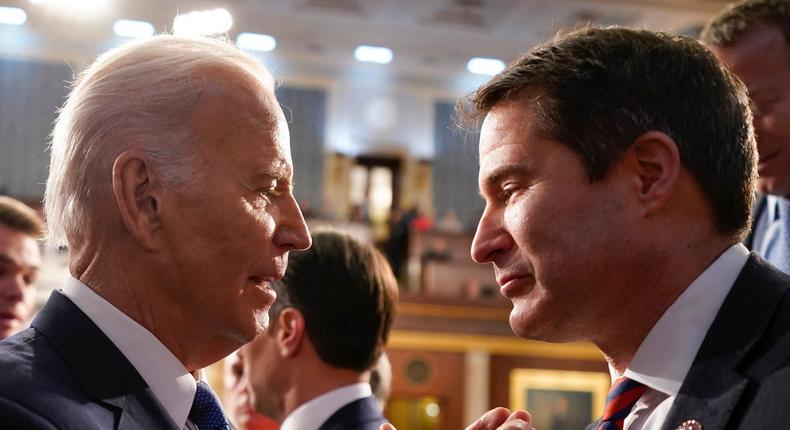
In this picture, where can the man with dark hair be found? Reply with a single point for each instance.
(20, 258)
(329, 325)
(752, 38)
(617, 167)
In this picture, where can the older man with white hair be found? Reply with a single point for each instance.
(170, 181)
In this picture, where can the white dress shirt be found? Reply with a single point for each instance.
(168, 379)
(666, 354)
(311, 414)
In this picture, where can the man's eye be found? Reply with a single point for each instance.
(30, 279)
(505, 194)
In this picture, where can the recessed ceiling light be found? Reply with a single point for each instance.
(485, 66)
(256, 42)
(132, 28)
(12, 16)
(203, 22)
(373, 54)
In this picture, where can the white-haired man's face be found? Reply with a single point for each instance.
(226, 237)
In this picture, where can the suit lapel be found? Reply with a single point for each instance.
(715, 381)
(102, 371)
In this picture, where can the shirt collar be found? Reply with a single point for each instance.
(168, 379)
(666, 354)
(313, 413)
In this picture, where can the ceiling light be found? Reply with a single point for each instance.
(132, 28)
(485, 66)
(12, 16)
(256, 42)
(373, 54)
(203, 22)
(74, 6)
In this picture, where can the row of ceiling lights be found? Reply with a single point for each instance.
(215, 21)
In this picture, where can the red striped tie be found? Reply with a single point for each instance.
(621, 399)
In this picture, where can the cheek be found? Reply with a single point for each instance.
(29, 298)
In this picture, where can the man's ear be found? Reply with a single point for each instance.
(290, 331)
(136, 193)
(657, 164)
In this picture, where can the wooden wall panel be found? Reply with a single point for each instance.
(501, 366)
(445, 380)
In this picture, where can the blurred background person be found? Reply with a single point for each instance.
(20, 258)
(329, 326)
(381, 380)
(752, 38)
(237, 397)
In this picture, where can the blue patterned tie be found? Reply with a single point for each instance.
(778, 250)
(206, 412)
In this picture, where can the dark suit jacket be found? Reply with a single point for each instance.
(64, 373)
(362, 414)
(740, 378)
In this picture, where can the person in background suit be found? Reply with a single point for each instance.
(170, 182)
(617, 168)
(20, 258)
(752, 38)
(381, 380)
(237, 397)
(330, 324)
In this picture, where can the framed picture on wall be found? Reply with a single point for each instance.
(559, 399)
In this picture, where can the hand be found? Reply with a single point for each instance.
(495, 419)
(502, 419)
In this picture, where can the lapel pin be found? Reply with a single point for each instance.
(690, 425)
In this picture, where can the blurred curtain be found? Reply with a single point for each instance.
(455, 168)
(31, 93)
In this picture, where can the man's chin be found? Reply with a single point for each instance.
(773, 186)
(261, 322)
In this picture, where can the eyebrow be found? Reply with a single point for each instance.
(501, 172)
(278, 169)
(507, 170)
(6, 259)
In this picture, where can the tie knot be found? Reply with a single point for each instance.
(621, 399)
(206, 412)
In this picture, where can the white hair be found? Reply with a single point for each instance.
(137, 96)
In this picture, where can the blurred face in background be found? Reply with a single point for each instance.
(20, 259)
(237, 398)
(761, 59)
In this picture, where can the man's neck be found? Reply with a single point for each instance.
(314, 381)
(137, 294)
(653, 292)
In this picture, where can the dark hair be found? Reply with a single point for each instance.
(20, 217)
(743, 17)
(347, 294)
(596, 90)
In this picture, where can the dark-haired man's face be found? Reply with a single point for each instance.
(761, 59)
(556, 241)
(261, 359)
(20, 259)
